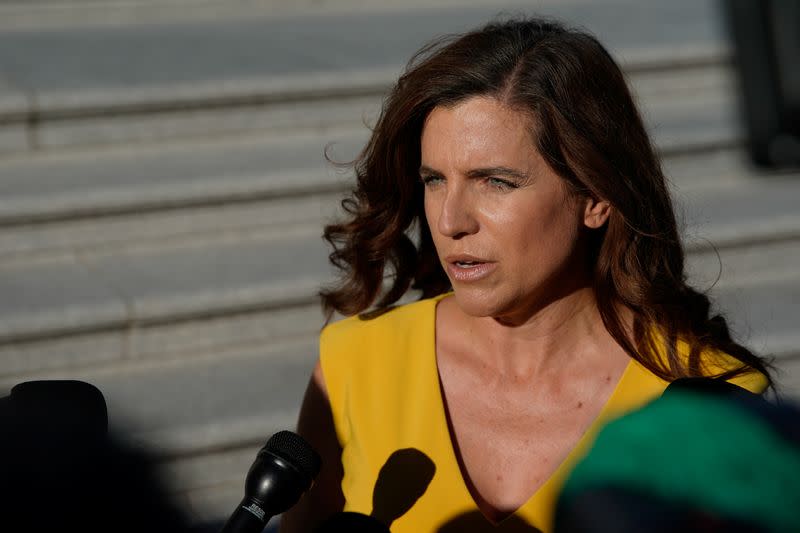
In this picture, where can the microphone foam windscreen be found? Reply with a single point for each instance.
(293, 448)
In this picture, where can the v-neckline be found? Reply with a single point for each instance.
(568, 461)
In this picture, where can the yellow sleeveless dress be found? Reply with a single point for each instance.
(398, 457)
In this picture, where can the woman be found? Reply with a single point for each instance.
(511, 182)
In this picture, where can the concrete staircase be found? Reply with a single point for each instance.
(163, 186)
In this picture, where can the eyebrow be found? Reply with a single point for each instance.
(481, 172)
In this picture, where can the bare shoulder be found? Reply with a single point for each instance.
(315, 424)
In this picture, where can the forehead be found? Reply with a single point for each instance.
(477, 129)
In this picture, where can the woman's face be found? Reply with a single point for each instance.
(504, 225)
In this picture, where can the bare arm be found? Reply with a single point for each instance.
(316, 426)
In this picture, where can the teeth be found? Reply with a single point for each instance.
(466, 263)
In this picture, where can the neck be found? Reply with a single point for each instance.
(566, 331)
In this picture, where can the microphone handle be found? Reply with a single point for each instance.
(249, 517)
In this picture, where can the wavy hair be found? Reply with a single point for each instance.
(588, 129)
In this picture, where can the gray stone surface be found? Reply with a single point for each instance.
(60, 185)
(743, 265)
(191, 166)
(704, 122)
(87, 58)
(119, 290)
(227, 332)
(141, 343)
(24, 360)
(18, 14)
(764, 315)
(202, 404)
(693, 173)
(164, 285)
(789, 378)
(170, 300)
(14, 102)
(13, 138)
(188, 225)
(90, 95)
(752, 210)
(183, 279)
(203, 123)
(55, 297)
(677, 120)
(205, 405)
(692, 108)
(209, 486)
(688, 108)
(14, 105)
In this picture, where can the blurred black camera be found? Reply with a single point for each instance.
(766, 42)
(61, 468)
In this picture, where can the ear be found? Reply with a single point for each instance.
(596, 212)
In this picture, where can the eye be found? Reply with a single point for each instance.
(500, 183)
(430, 181)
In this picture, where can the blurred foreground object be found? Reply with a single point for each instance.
(706, 456)
(61, 469)
(766, 38)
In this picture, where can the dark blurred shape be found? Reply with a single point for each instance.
(476, 522)
(403, 479)
(766, 38)
(707, 456)
(284, 469)
(61, 469)
(783, 420)
(352, 522)
(628, 510)
(65, 409)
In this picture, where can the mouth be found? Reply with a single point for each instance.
(468, 264)
(465, 260)
(468, 268)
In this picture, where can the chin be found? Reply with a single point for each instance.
(479, 302)
(509, 306)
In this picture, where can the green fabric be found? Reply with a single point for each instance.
(701, 451)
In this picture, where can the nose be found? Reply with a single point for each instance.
(456, 216)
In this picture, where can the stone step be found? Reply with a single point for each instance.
(687, 105)
(99, 307)
(60, 186)
(197, 225)
(249, 204)
(42, 14)
(207, 77)
(57, 293)
(61, 202)
(119, 305)
(751, 211)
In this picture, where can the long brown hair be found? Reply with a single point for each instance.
(587, 128)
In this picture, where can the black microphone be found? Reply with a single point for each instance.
(284, 469)
(54, 414)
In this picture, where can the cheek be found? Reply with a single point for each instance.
(429, 210)
(546, 233)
